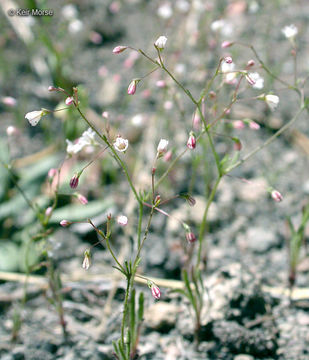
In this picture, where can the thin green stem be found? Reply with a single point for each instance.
(121, 163)
(203, 223)
(139, 228)
(125, 310)
(267, 142)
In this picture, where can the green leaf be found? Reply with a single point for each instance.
(140, 313)
(9, 256)
(132, 316)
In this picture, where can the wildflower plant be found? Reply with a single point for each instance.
(210, 120)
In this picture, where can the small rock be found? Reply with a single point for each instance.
(252, 190)
(257, 239)
(243, 357)
(161, 316)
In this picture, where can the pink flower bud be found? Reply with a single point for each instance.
(74, 181)
(11, 130)
(190, 237)
(105, 114)
(9, 101)
(132, 87)
(191, 143)
(237, 145)
(155, 291)
(82, 199)
(162, 148)
(65, 223)
(212, 95)
(228, 59)
(52, 88)
(122, 220)
(226, 44)
(254, 125)
(52, 173)
(275, 194)
(251, 63)
(157, 200)
(69, 100)
(168, 156)
(119, 49)
(238, 124)
(48, 211)
(161, 84)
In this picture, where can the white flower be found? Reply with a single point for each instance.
(165, 11)
(290, 31)
(257, 79)
(272, 101)
(87, 138)
(217, 25)
(122, 220)
(121, 144)
(160, 42)
(162, 147)
(228, 70)
(35, 116)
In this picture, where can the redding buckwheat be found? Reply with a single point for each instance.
(121, 144)
(276, 195)
(119, 49)
(191, 143)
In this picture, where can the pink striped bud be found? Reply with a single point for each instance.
(228, 59)
(65, 223)
(226, 44)
(52, 88)
(190, 237)
(275, 194)
(9, 101)
(155, 291)
(69, 100)
(82, 199)
(74, 181)
(105, 114)
(191, 143)
(132, 87)
(251, 63)
(119, 49)
(254, 125)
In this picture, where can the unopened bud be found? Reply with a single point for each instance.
(132, 87)
(254, 125)
(52, 173)
(162, 148)
(82, 199)
(69, 100)
(48, 211)
(74, 181)
(119, 49)
(276, 195)
(157, 200)
(87, 259)
(52, 88)
(191, 143)
(251, 63)
(65, 223)
(168, 156)
(161, 84)
(212, 95)
(237, 144)
(238, 124)
(190, 237)
(226, 44)
(228, 59)
(155, 291)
